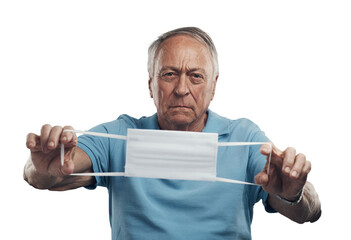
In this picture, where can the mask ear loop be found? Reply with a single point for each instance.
(62, 154)
(270, 156)
(223, 144)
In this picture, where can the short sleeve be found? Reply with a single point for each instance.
(97, 149)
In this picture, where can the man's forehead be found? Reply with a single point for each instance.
(180, 41)
(183, 46)
(184, 52)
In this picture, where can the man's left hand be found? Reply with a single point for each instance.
(287, 172)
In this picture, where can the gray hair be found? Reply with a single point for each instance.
(191, 31)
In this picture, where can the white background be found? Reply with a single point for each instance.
(283, 64)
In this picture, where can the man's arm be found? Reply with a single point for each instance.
(43, 169)
(289, 192)
(307, 210)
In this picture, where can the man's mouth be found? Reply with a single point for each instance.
(180, 106)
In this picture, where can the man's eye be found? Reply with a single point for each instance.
(197, 78)
(168, 76)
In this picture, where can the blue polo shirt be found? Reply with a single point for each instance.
(142, 208)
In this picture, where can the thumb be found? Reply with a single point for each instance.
(261, 178)
(67, 167)
(68, 164)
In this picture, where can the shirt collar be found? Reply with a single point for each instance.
(216, 124)
(150, 122)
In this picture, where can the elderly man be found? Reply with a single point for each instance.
(183, 72)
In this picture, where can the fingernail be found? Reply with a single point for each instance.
(294, 174)
(64, 139)
(287, 170)
(51, 144)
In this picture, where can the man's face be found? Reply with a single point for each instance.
(183, 84)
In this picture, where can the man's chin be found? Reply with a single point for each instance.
(181, 118)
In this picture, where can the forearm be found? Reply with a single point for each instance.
(308, 210)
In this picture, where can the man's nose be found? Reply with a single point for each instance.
(182, 88)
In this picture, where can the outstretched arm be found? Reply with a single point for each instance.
(289, 192)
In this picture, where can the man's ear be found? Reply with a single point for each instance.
(150, 88)
(214, 87)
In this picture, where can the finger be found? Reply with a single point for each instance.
(32, 141)
(289, 160)
(54, 137)
(266, 148)
(307, 168)
(69, 139)
(68, 166)
(268, 182)
(44, 136)
(261, 179)
(276, 155)
(300, 161)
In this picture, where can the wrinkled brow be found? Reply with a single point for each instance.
(175, 69)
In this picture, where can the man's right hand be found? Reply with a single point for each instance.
(43, 169)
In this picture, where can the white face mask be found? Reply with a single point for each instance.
(170, 155)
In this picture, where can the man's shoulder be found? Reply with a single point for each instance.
(128, 121)
(222, 124)
(245, 122)
(141, 123)
(124, 121)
